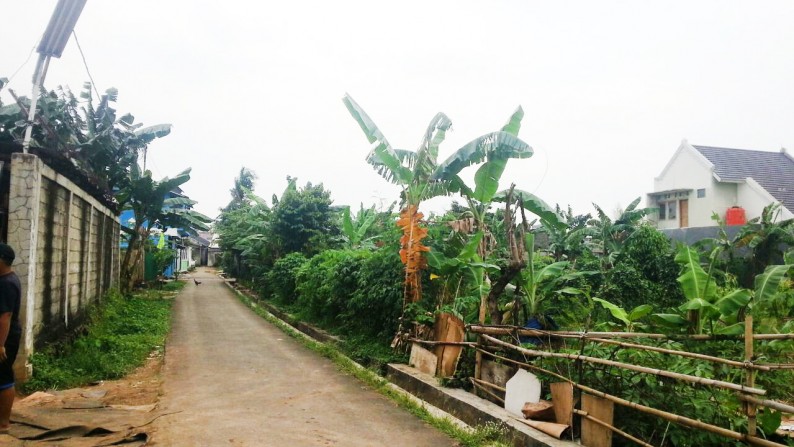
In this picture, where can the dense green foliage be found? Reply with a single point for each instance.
(282, 278)
(119, 336)
(105, 147)
(344, 272)
(644, 272)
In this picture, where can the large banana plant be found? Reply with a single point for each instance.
(493, 150)
(93, 137)
(538, 286)
(608, 236)
(422, 177)
(715, 310)
(355, 228)
(147, 198)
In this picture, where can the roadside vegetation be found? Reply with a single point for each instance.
(88, 135)
(367, 274)
(120, 334)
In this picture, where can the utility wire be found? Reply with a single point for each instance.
(85, 64)
(11, 78)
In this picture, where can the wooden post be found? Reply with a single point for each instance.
(750, 407)
(593, 433)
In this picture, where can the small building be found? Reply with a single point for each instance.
(736, 184)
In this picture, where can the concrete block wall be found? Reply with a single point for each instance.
(67, 245)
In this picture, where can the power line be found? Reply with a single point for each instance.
(11, 78)
(85, 64)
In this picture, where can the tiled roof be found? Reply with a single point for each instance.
(772, 170)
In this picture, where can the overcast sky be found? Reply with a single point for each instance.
(610, 88)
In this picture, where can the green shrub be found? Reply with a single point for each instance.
(645, 272)
(375, 306)
(355, 292)
(120, 334)
(281, 279)
(325, 284)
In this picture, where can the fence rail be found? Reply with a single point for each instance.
(490, 345)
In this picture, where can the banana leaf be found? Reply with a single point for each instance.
(640, 311)
(767, 283)
(670, 320)
(617, 312)
(486, 180)
(488, 147)
(514, 123)
(694, 281)
(535, 205)
(733, 301)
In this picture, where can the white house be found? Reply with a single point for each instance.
(701, 180)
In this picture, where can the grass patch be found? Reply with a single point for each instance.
(490, 435)
(120, 334)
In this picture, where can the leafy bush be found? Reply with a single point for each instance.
(163, 257)
(645, 272)
(281, 279)
(325, 284)
(121, 333)
(355, 292)
(375, 306)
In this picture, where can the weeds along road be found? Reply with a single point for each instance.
(234, 379)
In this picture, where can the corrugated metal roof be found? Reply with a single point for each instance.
(772, 170)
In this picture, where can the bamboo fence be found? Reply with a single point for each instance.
(747, 392)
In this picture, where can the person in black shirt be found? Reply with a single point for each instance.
(10, 333)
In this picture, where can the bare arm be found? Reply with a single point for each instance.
(5, 327)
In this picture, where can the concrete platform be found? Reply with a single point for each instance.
(467, 407)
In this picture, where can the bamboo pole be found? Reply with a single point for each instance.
(749, 407)
(776, 365)
(512, 330)
(611, 427)
(683, 420)
(442, 343)
(693, 355)
(779, 406)
(490, 385)
(642, 369)
(485, 390)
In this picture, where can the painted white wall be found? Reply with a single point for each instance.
(753, 198)
(688, 170)
(725, 196)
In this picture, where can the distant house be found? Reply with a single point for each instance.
(701, 180)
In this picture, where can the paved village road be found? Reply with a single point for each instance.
(236, 380)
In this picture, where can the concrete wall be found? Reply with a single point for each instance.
(67, 251)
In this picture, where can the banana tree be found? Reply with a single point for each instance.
(421, 177)
(462, 276)
(148, 200)
(608, 236)
(355, 228)
(486, 192)
(765, 236)
(719, 311)
(93, 137)
(537, 286)
(629, 319)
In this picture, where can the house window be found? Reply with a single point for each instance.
(662, 210)
(671, 209)
(701, 193)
